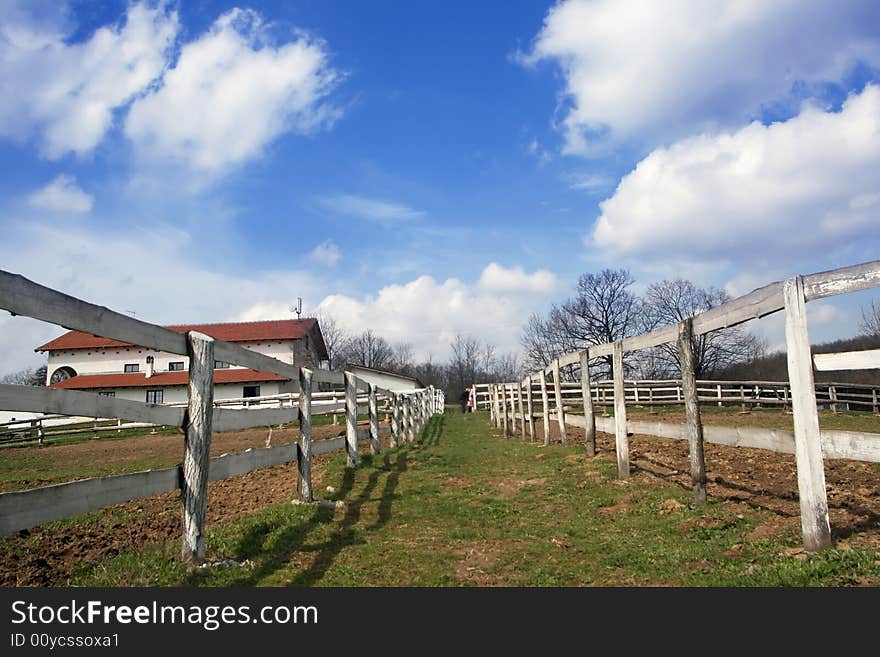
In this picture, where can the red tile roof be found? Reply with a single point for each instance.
(278, 329)
(160, 379)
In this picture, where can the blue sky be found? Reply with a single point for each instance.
(424, 168)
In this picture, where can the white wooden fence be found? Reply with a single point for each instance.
(747, 394)
(409, 411)
(509, 402)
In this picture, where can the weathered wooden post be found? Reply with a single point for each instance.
(832, 398)
(522, 412)
(493, 405)
(505, 419)
(545, 400)
(197, 445)
(375, 443)
(874, 403)
(512, 410)
(409, 419)
(351, 414)
(304, 457)
(531, 408)
(587, 398)
(620, 437)
(560, 413)
(395, 418)
(807, 443)
(692, 409)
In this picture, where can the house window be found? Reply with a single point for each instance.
(251, 391)
(155, 396)
(131, 367)
(106, 393)
(221, 365)
(176, 366)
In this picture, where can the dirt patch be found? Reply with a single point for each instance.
(622, 505)
(510, 487)
(477, 561)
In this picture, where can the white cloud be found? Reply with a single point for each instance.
(589, 182)
(62, 195)
(326, 253)
(141, 270)
(66, 93)
(821, 313)
(647, 69)
(428, 314)
(795, 188)
(231, 93)
(497, 278)
(378, 210)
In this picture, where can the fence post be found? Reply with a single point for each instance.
(395, 418)
(197, 450)
(545, 400)
(692, 409)
(304, 458)
(505, 420)
(351, 413)
(531, 408)
(493, 406)
(409, 420)
(587, 397)
(560, 414)
(621, 439)
(808, 447)
(375, 443)
(522, 411)
(512, 409)
(874, 404)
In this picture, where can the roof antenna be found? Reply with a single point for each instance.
(298, 308)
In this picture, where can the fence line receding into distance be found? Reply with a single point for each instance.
(199, 419)
(800, 393)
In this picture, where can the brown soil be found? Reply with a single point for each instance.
(756, 478)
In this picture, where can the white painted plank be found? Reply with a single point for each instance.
(868, 359)
(25, 509)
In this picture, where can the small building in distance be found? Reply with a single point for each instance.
(81, 361)
(385, 379)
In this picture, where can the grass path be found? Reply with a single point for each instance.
(465, 506)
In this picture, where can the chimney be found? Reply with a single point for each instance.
(149, 367)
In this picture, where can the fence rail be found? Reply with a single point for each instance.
(836, 396)
(800, 392)
(411, 409)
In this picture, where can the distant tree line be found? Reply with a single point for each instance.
(471, 360)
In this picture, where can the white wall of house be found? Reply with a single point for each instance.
(112, 360)
(178, 394)
(385, 380)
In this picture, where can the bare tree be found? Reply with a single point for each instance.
(603, 310)
(464, 361)
(336, 339)
(402, 357)
(30, 376)
(672, 301)
(369, 350)
(870, 324)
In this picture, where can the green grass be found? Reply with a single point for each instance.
(466, 506)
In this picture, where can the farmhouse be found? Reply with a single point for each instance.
(81, 361)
